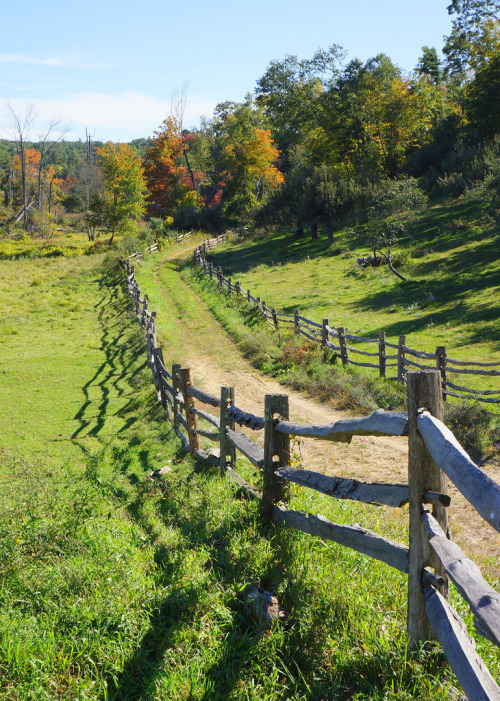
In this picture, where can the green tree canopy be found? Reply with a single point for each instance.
(124, 185)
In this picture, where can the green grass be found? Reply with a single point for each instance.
(115, 587)
(451, 254)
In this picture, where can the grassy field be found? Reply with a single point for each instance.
(452, 254)
(117, 587)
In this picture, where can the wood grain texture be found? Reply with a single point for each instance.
(252, 451)
(354, 537)
(243, 418)
(214, 420)
(380, 423)
(276, 454)
(203, 397)
(476, 486)
(459, 648)
(424, 389)
(395, 495)
(481, 597)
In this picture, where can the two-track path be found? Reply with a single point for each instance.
(216, 361)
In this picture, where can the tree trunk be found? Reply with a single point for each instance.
(314, 229)
(329, 233)
(23, 184)
(191, 174)
(389, 262)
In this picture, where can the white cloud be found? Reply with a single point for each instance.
(122, 117)
(69, 61)
(33, 60)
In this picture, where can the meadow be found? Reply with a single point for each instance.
(116, 586)
(450, 257)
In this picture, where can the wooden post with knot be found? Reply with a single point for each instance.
(227, 448)
(424, 392)
(276, 454)
(441, 366)
(185, 381)
(382, 360)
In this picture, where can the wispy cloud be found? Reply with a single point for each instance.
(55, 61)
(33, 60)
(125, 116)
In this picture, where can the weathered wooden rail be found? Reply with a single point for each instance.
(392, 360)
(137, 256)
(182, 237)
(435, 457)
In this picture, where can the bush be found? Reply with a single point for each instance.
(452, 184)
(472, 425)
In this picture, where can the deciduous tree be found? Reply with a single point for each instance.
(125, 187)
(171, 181)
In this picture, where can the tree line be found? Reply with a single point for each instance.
(319, 139)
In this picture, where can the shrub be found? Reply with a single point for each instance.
(473, 426)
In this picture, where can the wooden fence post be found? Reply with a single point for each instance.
(401, 358)
(175, 384)
(382, 361)
(150, 345)
(275, 318)
(145, 306)
(211, 271)
(137, 295)
(153, 328)
(191, 419)
(229, 285)
(296, 322)
(324, 333)
(276, 454)
(343, 345)
(237, 288)
(424, 390)
(227, 449)
(158, 358)
(441, 366)
(220, 275)
(248, 296)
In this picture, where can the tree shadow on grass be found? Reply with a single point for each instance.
(267, 250)
(451, 307)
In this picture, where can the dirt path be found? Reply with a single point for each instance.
(216, 361)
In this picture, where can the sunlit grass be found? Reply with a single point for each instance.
(114, 586)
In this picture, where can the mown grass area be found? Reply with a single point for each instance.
(117, 587)
(451, 254)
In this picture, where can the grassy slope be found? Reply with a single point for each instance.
(113, 587)
(454, 258)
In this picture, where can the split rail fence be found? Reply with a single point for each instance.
(434, 457)
(137, 256)
(386, 357)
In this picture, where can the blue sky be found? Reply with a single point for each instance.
(113, 66)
